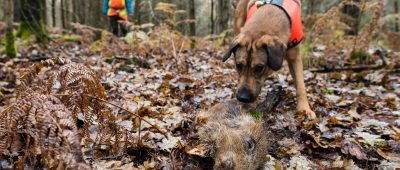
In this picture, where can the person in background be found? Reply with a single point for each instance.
(117, 10)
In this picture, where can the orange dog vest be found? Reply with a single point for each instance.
(292, 8)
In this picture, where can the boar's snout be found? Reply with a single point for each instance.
(226, 162)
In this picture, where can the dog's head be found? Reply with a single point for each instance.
(255, 59)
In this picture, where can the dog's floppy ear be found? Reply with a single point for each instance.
(230, 51)
(276, 51)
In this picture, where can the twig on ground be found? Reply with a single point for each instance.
(355, 69)
(135, 114)
(141, 62)
(330, 69)
(272, 100)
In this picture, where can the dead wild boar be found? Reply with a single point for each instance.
(239, 140)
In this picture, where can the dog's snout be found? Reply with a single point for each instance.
(245, 95)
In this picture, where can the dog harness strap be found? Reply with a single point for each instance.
(292, 8)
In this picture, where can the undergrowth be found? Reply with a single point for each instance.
(40, 128)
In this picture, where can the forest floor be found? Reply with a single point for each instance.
(358, 112)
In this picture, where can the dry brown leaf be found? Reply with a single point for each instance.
(288, 147)
(351, 147)
(388, 156)
(199, 150)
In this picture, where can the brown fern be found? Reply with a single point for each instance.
(369, 32)
(46, 117)
(42, 128)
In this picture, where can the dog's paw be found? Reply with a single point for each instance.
(310, 115)
(307, 118)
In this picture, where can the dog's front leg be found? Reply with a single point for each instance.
(296, 70)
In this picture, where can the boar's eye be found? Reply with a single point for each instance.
(250, 144)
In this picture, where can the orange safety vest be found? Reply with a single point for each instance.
(292, 8)
(117, 7)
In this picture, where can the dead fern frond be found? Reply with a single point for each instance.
(326, 20)
(48, 115)
(41, 127)
(87, 32)
(368, 32)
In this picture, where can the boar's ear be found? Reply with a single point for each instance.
(232, 49)
(275, 49)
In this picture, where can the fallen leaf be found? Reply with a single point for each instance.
(200, 150)
(369, 138)
(387, 156)
(351, 147)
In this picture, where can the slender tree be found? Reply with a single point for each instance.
(310, 7)
(212, 17)
(396, 11)
(137, 12)
(223, 7)
(192, 16)
(11, 51)
(32, 14)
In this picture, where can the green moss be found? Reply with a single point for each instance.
(257, 114)
(131, 62)
(221, 41)
(193, 44)
(360, 55)
(329, 91)
(109, 60)
(305, 50)
(70, 38)
(360, 85)
(365, 144)
(380, 144)
(26, 29)
(11, 50)
(340, 33)
(96, 46)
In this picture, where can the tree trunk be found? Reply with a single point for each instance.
(396, 11)
(62, 10)
(53, 13)
(192, 17)
(32, 20)
(67, 13)
(192, 25)
(310, 8)
(137, 12)
(11, 51)
(222, 16)
(2, 9)
(212, 17)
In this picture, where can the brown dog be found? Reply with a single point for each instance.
(260, 48)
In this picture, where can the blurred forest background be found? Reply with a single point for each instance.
(210, 16)
(324, 20)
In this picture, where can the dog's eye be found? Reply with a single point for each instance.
(239, 67)
(258, 69)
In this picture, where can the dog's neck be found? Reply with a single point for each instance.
(260, 23)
